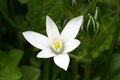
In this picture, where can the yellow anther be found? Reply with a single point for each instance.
(57, 45)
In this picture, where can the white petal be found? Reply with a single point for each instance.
(72, 28)
(62, 61)
(51, 28)
(47, 53)
(71, 45)
(36, 39)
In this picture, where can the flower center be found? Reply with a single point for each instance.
(56, 45)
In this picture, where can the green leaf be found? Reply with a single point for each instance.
(9, 65)
(3, 7)
(117, 77)
(114, 67)
(38, 10)
(34, 61)
(35, 13)
(6, 14)
(115, 64)
(23, 1)
(30, 73)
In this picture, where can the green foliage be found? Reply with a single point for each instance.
(97, 58)
(115, 66)
(37, 11)
(23, 1)
(3, 7)
(117, 77)
(30, 73)
(9, 61)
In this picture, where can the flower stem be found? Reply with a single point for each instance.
(87, 70)
(46, 70)
(73, 56)
(55, 72)
(74, 69)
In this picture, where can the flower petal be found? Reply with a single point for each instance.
(36, 39)
(62, 61)
(71, 45)
(72, 28)
(51, 28)
(47, 53)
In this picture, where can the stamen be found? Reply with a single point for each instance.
(57, 45)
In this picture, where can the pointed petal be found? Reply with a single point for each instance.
(71, 45)
(47, 53)
(36, 39)
(62, 61)
(51, 28)
(72, 28)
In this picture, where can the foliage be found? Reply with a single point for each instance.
(97, 58)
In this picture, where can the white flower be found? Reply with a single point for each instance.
(56, 45)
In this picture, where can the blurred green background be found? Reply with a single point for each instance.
(97, 58)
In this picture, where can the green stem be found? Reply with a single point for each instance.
(73, 56)
(74, 69)
(55, 72)
(46, 70)
(87, 72)
(11, 2)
